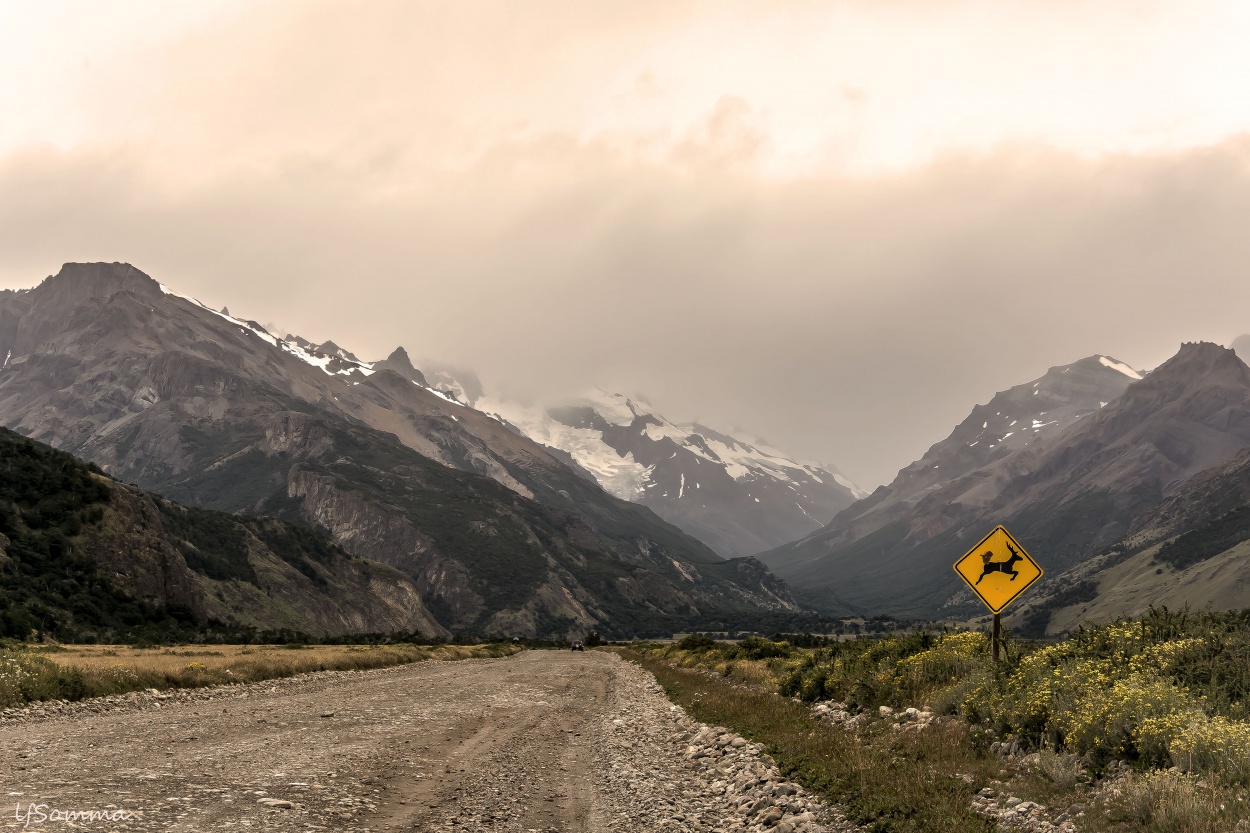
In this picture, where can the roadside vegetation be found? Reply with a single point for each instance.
(907, 783)
(1140, 725)
(74, 672)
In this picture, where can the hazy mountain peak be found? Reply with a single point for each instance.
(329, 348)
(328, 357)
(399, 362)
(1193, 373)
(1020, 416)
(736, 494)
(1204, 357)
(616, 408)
(399, 357)
(77, 282)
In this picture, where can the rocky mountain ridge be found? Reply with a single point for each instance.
(216, 412)
(1066, 496)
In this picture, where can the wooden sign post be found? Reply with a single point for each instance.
(998, 570)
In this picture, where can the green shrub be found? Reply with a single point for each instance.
(756, 647)
(25, 676)
(696, 642)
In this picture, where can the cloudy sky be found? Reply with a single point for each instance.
(836, 225)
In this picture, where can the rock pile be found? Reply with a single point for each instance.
(670, 772)
(1012, 813)
(909, 719)
(836, 713)
(1006, 748)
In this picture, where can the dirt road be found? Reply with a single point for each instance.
(535, 742)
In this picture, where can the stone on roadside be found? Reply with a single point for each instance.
(276, 803)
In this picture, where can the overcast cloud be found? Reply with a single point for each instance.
(833, 225)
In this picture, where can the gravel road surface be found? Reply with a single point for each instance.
(542, 741)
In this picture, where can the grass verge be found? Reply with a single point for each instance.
(890, 781)
(916, 782)
(78, 672)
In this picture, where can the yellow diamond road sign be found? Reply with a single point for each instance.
(998, 569)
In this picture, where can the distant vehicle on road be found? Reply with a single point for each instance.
(579, 646)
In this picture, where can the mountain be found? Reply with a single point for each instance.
(1013, 419)
(738, 496)
(1192, 549)
(216, 412)
(86, 556)
(1065, 493)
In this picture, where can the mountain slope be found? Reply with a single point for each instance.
(1014, 419)
(1192, 549)
(737, 496)
(1065, 496)
(216, 412)
(84, 555)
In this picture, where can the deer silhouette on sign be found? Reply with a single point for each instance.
(1007, 566)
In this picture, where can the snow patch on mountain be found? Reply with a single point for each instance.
(618, 474)
(614, 408)
(621, 475)
(329, 357)
(1107, 361)
(449, 387)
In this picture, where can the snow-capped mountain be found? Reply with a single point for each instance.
(215, 411)
(737, 495)
(1016, 418)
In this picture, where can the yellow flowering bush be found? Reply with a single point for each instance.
(954, 656)
(1167, 689)
(1023, 702)
(1124, 718)
(1120, 691)
(899, 669)
(1108, 707)
(1213, 744)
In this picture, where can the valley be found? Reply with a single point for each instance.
(175, 475)
(649, 417)
(481, 516)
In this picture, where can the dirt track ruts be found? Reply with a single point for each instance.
(514, 744)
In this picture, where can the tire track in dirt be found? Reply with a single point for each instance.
(542, 741)
(403, 748)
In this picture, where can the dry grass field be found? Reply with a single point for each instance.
(72, 672)
(239, 658)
